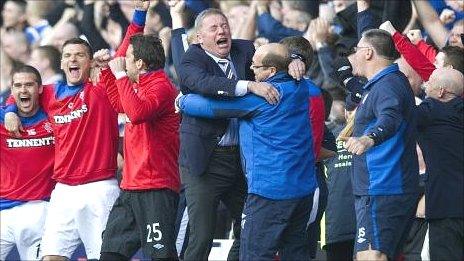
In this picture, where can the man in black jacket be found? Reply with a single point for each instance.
(440, 120)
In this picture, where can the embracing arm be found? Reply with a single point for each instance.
(198, 106)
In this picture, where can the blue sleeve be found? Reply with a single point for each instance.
(139, 17)
(274, 30)
(177, 46)
(366, 21)
(198, 106)
(11, 108)
(5, 109)
(197, 6)
(388, 112)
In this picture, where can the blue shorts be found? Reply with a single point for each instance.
(383, 222)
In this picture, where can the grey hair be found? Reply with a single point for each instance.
(205, 13)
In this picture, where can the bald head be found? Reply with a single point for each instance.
(274, 55)
(450, 79)
(270, 59)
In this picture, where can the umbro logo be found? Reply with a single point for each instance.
(158, 246)
(361, 235)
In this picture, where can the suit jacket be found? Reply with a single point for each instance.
(199, 73)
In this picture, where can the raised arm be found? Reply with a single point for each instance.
(136, 27)
(410, 53)
(431, 22)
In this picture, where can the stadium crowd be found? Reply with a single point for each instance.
(282, 125)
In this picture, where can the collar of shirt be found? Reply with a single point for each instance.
(387, 70)
(217, 59)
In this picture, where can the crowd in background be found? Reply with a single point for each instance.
(428, 36)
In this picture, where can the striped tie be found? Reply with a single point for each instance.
(228, 68)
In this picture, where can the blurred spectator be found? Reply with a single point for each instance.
(36, 12)
(14, 15)
(15, 45)
(47, 60)
(435, 28)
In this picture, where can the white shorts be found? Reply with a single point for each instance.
(78, 214)
(23, 226)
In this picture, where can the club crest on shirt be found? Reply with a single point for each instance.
(31, 132)
(48, 127)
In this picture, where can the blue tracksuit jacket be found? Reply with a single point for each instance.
(387, 112)
(275, 141)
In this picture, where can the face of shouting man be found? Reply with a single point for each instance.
(214, 35)
(26, 89)
(76, 62)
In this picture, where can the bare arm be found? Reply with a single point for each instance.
(431, 22)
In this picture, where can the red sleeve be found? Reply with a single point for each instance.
(144, 105)
(317, 117)
(131, 30)
(427, 50)
(107, 78)
(413, 56)
(108, 81)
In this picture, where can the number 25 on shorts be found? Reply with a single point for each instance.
(154, 233)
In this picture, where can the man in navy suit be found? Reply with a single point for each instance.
(209, 157)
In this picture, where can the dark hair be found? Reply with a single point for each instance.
(454, 56)
(27, 69)
(52, 54)
(150, 50)
(80, 41)
(300, 46)
(382, 43)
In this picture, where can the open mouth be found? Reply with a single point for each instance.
(25, 101)
(75, 71)
(222, 42)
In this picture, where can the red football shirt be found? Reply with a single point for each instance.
(26, 167)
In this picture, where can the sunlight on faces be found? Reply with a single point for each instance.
(25, 89)
(214, 35)
(75, 62)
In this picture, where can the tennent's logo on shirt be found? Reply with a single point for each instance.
(25, 143)
(78, 113)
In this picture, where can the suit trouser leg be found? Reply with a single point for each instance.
(203, 194)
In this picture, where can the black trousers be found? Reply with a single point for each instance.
(446, 239)
(223, 181)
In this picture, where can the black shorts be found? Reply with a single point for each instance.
(142, 219)
(446, 239)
